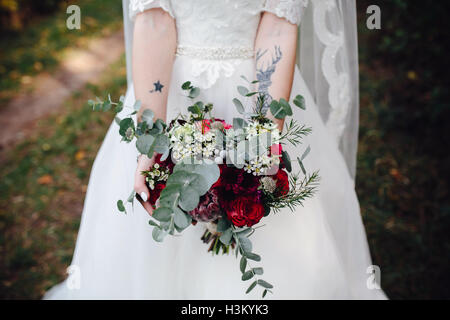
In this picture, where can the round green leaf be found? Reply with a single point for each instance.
(247, 276)
(299, 101)
(162, 214)
(242, 90)
(120, 206)
(144, 144)
(226, 236)
(158, 234)
(189, 199)
(239, 107)
(258, 271)
(180, 218)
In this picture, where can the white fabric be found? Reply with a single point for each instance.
(318, 252)
(328, 59)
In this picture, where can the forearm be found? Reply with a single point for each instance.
(154, 46)
(275, 50)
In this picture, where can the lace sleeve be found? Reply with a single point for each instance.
(291, 10)
(137, 6)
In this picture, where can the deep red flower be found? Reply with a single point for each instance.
(155, 193)
(208, 208)
(244, 211)
(237, 181)
(166, 163)
(282, 182)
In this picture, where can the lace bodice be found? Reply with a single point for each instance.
(218, 34)
(209, 23)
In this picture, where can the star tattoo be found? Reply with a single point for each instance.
(158, 87)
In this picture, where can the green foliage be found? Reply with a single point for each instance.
(38, 43)
(403, 171)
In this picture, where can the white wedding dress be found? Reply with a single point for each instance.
(319, 251)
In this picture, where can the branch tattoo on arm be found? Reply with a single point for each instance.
(158, 87)
(264, 73)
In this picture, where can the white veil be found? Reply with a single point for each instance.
(328, 59)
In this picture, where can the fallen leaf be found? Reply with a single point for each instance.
(45, 180)
(80, 155)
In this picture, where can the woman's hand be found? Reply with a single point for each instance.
(144, 164)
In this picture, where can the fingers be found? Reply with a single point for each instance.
(143, 194)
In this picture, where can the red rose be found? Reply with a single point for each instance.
(244, 211)
(282, 182)
(255, 212)
(155, 193)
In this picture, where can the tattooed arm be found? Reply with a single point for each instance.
(275, 49)
(154, 46)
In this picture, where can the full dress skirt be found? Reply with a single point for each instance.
(319, 251)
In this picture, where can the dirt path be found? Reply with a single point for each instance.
(18, 118)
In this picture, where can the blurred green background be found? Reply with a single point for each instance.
(403, 170)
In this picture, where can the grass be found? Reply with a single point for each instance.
(42, 188)
(44, 42)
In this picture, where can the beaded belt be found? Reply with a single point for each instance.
(215, 53)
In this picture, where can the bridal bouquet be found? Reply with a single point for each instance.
(224, 176)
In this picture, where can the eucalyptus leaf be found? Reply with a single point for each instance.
(194, 93)
(277, 110)
(258, 271)
(239, 123)
(223, 224)
(180, 219)
(106, 106)
(305, 154)
(189, 199)
(286, 106)
(239, 107)
(145, 144)
(121, 206)
(226, 237)
(148, 116)
(124, 125)
(170, 195)
(242, 90)
(245, 78)
(190, 179)
(209, 173)
(158, 234)
(252, 286)
(243, 264)
(153, 223)
(252, 256)
(131, 196)
(243, 233)
(162, 214)
(186, 85)
(245, 243)
(302, 167)
(265, 284)
(247, 276)
(137, 105)
(299, 101)
(161, 144)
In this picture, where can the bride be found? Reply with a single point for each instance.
(318, 252)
